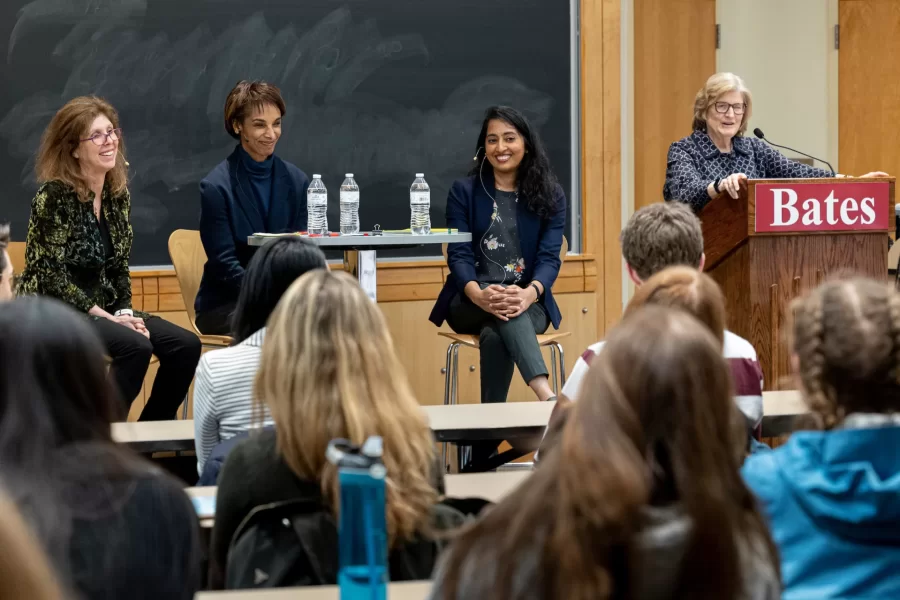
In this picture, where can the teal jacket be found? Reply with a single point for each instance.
(833, 502)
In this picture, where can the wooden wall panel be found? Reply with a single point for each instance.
(869, 86)
(674, 54)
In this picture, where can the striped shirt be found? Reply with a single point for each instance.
(223, 394)
(741, 357)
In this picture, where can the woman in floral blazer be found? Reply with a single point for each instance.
(77, 250)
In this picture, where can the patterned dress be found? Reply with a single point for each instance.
(65, 254)
(694, 162)
(499, 257)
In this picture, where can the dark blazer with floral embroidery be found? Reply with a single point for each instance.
(64, 252)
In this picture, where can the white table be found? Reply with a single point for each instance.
(409, 590)
(359, 250)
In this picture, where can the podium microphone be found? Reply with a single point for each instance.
(758, 133)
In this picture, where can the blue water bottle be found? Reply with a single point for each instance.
(362, 530)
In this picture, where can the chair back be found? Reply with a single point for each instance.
(188, 257)
(563, 250)
(16, 251)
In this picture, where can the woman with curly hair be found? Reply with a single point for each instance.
(499, 283)
(832, 495)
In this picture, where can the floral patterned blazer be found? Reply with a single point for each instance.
(64, 252)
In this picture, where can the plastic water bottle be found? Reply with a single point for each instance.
(317, 207)
(349, 206)
(362, 529)
(420, 206)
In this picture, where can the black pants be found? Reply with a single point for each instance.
(178, 351)
(504, 344)
(216, 321)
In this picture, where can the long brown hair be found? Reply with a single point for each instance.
(67, 128)
(652, 427)
(329, 370)
(846, 340)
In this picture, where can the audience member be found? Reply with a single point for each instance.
(832, 496)
(7, 291)
(641, 495)
(113, 525)
(223, 392)
(329, 370)
(24, 569)
(78, 246)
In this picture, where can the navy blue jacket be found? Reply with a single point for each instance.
(469, 209)
(229, 215)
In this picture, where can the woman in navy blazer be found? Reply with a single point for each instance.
(499, 284)
(251, 191)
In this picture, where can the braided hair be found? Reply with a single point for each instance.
(846, 339)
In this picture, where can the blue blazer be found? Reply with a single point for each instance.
(229, 215)
(469, 209)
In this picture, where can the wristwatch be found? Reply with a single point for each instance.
(537, 290)
(716, 185)
(124, 311)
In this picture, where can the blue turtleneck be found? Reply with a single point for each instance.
(256, 177)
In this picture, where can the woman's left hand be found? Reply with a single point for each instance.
(875, 174)
(518, 300)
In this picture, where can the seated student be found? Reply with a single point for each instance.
(832, 496)
(639, 498)
(113, 525)
(223, 392)
(24, 569)
(328, 371)
(663, 235)
(6, 268)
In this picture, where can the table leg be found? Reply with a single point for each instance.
(362, 264)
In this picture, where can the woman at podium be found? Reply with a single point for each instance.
(716, 157)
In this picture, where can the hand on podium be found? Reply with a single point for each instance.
(731, 185)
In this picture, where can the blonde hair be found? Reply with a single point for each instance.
(329, 370)
(65, 133)
(717, 86)
(846, 339)
(24, 569)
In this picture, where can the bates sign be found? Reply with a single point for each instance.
(829, 206)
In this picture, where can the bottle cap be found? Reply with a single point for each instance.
(349, 175)
(420, 174)
(317, 177)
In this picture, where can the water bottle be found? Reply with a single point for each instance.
(349, 206)
(420, 206)
(362, 528)
(317, 207)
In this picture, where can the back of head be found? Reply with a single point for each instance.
(846, 342)
(653, 426)
(687, 289)
(662, 235)
(271, 271)
(329, 370)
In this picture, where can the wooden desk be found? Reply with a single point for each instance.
(490, 486)
(409, 590)
(461, 423)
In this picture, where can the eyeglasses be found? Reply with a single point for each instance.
(722, 108)
(101, 138)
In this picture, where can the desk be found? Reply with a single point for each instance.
(459, 423)
(408, 590)
(490, 486)
(359, 250)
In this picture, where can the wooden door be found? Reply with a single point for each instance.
(869, 86)
(674, 54)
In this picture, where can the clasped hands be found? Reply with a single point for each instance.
(135, 323)
(505, 303)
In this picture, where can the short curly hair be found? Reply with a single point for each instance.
(246, 96)
(662, 235)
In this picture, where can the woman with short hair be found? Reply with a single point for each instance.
(251, 191)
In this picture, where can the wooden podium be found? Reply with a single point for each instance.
(763, 261)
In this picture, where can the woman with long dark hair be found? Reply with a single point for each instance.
(113, 525)
(640, 497)
(499, 284)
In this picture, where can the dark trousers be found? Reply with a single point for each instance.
(178, 351)
(216, 321)
(504, 344)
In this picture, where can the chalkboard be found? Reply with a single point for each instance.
(379, 88)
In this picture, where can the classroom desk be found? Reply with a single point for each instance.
(490, 486)
(460, 423)
(407, 590)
